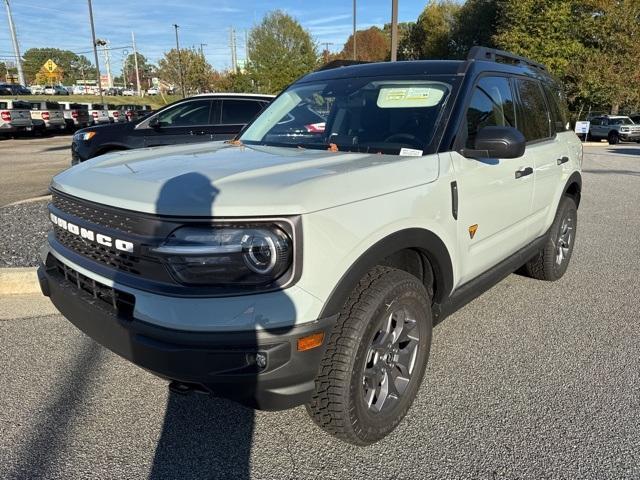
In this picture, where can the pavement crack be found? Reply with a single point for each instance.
(291, 457)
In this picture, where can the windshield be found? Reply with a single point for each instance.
(620, 121)
(375, 114)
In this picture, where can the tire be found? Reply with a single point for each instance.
(382, 332)
(552, 262)
(614, 138)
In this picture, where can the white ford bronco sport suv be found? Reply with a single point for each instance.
(307, 261)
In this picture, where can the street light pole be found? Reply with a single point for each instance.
(394, 30)
(354, 30)
(175, 26)
(95, 52)
(16, 46)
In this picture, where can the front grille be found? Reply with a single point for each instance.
(123, 303)
(122, 261)
(117, 221)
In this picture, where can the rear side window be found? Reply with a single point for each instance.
(3, 105)
(557, 108)
(491, 105)
(533, 117)
(236, 112)
(596, 121)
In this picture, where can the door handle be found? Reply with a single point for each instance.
(197, 132)
(524, 172)
(562, 160)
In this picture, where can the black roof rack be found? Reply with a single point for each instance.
(339, 63)
(494, 55)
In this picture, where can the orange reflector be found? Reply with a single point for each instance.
(472, 230)
(310, 341)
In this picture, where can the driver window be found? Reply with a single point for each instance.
(491, 105)
(186, 114)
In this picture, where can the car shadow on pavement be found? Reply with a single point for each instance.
(204, 437)
(55, 149)
(613, 172)
(624, 151)
(51, 425)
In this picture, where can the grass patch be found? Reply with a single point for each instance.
(156, 101)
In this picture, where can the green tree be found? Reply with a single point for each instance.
(547, 31)
(280, 51)
(475, 24)
(431, 35)
(197, 73)
(591, 45)
(74, 66)
(610, 67)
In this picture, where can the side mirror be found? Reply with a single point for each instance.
(497, 142)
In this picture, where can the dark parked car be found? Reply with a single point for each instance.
(212, 116)
(12, 89)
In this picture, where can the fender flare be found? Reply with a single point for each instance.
(420, 239)
(574, 178)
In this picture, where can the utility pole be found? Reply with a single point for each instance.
(135, 59)
(16, 46)
(394, 30)
(202, 45)
(125, 54)
(107, 60)
(354, 30)
(246, 48)
(325, 52)
(179, 61)
(95, 51)
(234, 53)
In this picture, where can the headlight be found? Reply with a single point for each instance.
(84, 136)
(247, 255)
(624, 129)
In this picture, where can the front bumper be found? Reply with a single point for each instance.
(80, 152)
(630, 137)
(223, 363)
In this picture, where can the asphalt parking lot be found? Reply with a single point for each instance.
(27, 165)
(532, 380)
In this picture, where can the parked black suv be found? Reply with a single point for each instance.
(214, 116)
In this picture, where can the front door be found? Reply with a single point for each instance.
(186, 122)
(494, 200)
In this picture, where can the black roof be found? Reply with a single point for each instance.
(479, 59)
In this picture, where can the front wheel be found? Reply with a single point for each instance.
(614, 138)
(552, 262)
(375, 358)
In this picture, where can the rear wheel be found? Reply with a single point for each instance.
(552, 262)
(375, 359)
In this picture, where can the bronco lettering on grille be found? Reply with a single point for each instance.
(92, 236)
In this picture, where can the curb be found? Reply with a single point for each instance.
(28, 200)
(19, 281)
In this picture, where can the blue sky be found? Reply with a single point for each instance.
(64, 24)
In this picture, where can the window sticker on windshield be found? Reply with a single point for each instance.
(410, 152)
(410, 97)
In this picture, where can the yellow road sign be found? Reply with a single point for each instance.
(50, 66)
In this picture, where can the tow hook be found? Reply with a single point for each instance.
(182, 388)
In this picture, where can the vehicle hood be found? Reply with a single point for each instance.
(112, 129)
(219, 179)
